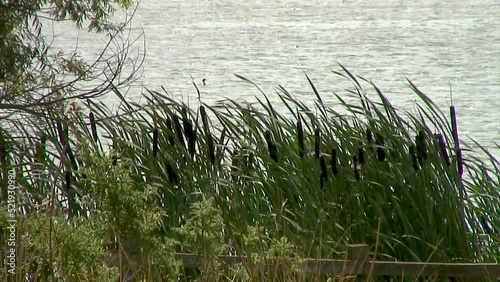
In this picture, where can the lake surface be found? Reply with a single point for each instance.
(433, 43)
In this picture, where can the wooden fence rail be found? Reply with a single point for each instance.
(358, 264)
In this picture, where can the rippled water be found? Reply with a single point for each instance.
(433, 43)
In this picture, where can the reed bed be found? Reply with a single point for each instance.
(303, 183)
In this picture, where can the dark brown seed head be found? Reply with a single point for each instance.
(333, 162)
(155, 141)
(486, 226)
(322, 163)
(380, 151)
(356, 170)
(273, 150)
(414, 160)
(300, 138)
(442, 147)
(317, 142)
(421, 147)
(93, 126)
(178, 131)
(171, 140)
(361, 156)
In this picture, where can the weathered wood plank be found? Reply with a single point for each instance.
(390, 268)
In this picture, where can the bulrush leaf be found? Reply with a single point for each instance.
(317, 142)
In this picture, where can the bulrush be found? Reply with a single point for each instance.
(442, 147)
(333, 162)
(40, 149)
(155, 140)
(190, 132)
(361, 155)
(171, 140)
(369, 138)
(420, 141)
(93, 126)
(380, 151)
(322, 164)
(208, 135)
(414, 160)
(273, 150)
(317, 142)
(178, 131)
(300, 137)
(3, 151)
(486, 226)
(64, 140)
(356, 169)
(172, 176)
(235, 163)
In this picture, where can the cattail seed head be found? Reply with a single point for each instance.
(300, 138)
(93, 127)
(322, 163)
(356, 170)
(178, 131)
(380, 150)
(273, 150)
(333, 162)
(414, 160)
(361, 156)
(171, 140)
(442, 147)
(317, 142)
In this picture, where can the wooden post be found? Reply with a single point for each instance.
(358, 255)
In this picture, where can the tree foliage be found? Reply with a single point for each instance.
(35, 76)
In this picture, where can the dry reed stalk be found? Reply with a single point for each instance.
(333, 162)
(93, 126)
(300, 137)
(380, 152)
(442, 147)
(317, 142)
(273, 150)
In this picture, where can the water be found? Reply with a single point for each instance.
(433, 43)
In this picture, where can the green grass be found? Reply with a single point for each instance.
(270, 178)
